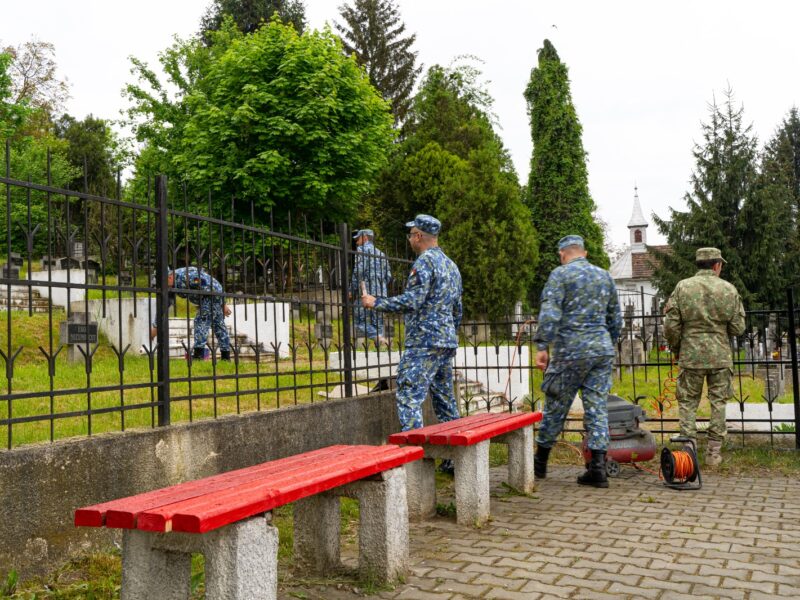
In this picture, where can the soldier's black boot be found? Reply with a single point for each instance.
(225, 354)
(596, 473)
(540, 462)
(199, 353)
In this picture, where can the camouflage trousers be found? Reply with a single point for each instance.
(562, 380)
(421, 370)
(209, 314)
(368, 323)
(688, 392)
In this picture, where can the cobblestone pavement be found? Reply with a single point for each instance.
(738, 537)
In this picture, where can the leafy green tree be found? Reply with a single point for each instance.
(558, 188)
(374, 32)
(93, 149)
(35, 84)
(249, 15)
(277, 118)
(722, 203)
(12, 114)
(452, 164)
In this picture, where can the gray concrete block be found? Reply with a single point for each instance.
(383, 525)
(149, 572)
(472, 483)
(316, 533)
(421, 489)
(520, 459)
(241, 562)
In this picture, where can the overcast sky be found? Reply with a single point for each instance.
(642, 73)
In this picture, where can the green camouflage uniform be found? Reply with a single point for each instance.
(701, 315)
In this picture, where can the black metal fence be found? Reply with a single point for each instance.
(86, 285)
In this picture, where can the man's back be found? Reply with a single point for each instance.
(701, 315)
(371, 267)
(580, 311)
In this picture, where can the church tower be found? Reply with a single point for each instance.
(637, 226)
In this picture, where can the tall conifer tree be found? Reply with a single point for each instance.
(722, 203)
(558, 187)
(375, 33)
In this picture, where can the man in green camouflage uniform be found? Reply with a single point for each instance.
(702, 314)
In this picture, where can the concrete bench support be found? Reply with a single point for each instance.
(241, 562)
(383, 527)
(520, 458)
(471, 475)
(421, 490)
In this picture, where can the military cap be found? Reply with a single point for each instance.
(709, 254)
(426, 223)
(570, 240)
(361, 232)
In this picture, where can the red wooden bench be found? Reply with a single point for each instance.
(466, 442)
(232, 511)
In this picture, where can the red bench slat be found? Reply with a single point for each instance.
(256, 502)
(158, 517)
(417, 436)
(420, 436)
(212, 502)
(482, 432)
(467, 430)
(122, 512)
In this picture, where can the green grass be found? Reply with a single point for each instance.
(208, 390)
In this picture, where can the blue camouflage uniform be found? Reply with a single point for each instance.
(209, 312)
(432, 306)
(372, 268)
(580, 319)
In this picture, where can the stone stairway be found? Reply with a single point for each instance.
(20, 300)
(476, 394)
(181, 333)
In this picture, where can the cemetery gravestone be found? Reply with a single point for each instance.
(78, 332)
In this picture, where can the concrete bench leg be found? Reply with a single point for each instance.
(520, 459)
(383, 525)
(421, 489)
(472, 483)
(242, 561)
(149, 572)
(316, 533)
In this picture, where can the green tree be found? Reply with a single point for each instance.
(35, 84)
(721, 203)
(558, 188)
(12, 114)
(452, 164)
(374, 32)
(770, 242)
(277, 118)
(249, 15)
(93, 150)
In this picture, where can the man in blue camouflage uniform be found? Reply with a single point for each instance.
(432, 305)
(372, 268)
(211, 311)
(580, 319)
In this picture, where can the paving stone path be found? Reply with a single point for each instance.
(738, 537)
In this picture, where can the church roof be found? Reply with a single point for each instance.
(637, 218)
(636, 265)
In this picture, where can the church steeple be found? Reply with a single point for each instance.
(637, 225)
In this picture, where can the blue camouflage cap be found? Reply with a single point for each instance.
(570, 240)
(426, 223)
(361, 232)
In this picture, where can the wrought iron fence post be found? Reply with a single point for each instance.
(344, 285)
(162, 300)
(795, 377)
